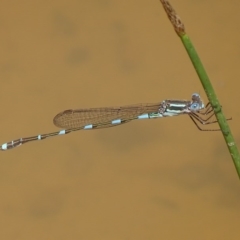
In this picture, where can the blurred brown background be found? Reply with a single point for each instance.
(159, 179)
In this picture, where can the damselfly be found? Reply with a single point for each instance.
(97, 118)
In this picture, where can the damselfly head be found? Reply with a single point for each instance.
(197, 103)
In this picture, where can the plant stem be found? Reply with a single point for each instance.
(212, 97)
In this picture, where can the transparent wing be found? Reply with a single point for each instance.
(102, 117)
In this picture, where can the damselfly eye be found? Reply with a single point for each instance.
(195, 107)
(195, 96)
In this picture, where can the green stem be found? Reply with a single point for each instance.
(212, 97)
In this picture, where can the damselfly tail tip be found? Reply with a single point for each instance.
(4, 147)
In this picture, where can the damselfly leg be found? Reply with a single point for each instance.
(208, 109)
(197, 117)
